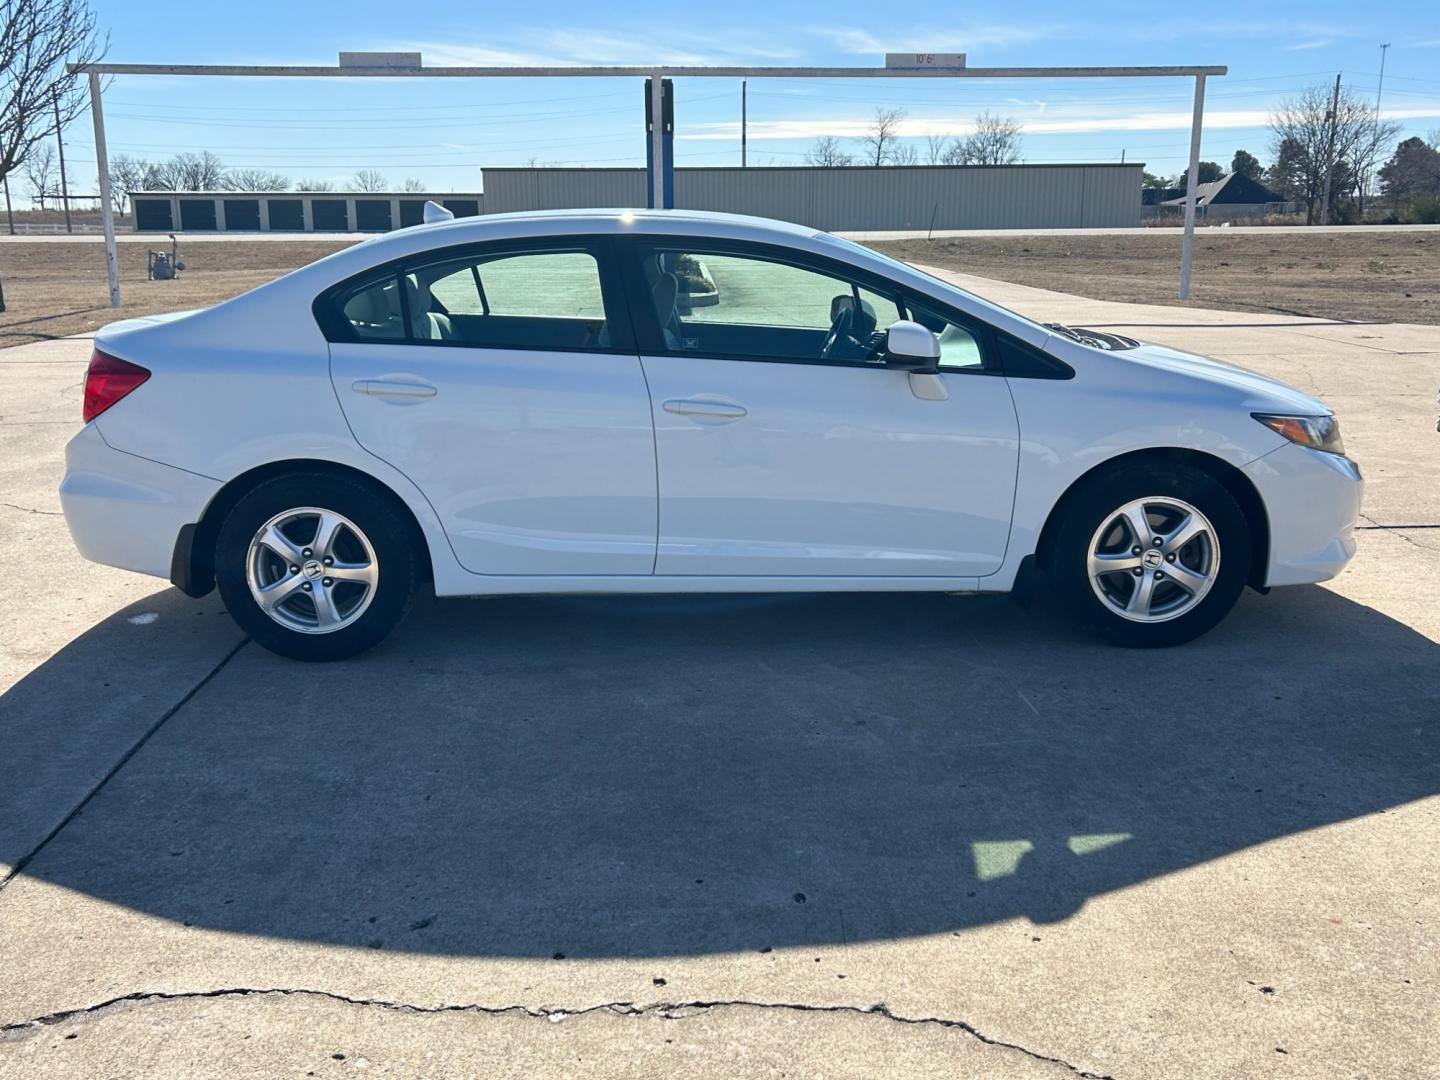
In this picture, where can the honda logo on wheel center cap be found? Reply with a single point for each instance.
(313, 568)
(1152, 559)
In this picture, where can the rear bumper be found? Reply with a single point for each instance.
(1313, 501)
(128, 511)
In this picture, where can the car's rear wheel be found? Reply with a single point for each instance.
(315, 567)
(1151, 555)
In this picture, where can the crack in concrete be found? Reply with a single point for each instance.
(677, 1010)
(1398, 530)
(25, 860)
(32, 510)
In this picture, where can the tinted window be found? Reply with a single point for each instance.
(958, 347)
(535, 300)
(747, 306)
(373, 311)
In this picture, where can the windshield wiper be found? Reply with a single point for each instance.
(1068, 331)
(1093, 338)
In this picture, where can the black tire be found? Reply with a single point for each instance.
(1097, 500)
(373, 513)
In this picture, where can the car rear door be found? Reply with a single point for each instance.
(503, 380)
(778, 458)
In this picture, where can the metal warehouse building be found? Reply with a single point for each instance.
(857, 198)
(288, 211)
(849, 198)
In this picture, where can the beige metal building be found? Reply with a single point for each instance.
(856, 198)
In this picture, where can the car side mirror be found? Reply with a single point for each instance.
(911, 347)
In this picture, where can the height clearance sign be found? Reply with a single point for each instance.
(948, 60)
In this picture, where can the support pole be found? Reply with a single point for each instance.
(107, 218)
(743, 88)
(9, 213)
(657, 139)
(1187, 243)
(1334, 119)
(64, 185)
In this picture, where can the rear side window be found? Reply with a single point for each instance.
(552, 284)
(374, 312)
(550, 300)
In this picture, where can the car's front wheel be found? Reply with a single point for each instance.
(315, 567)
(1151, 555)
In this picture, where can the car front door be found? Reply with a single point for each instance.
(503, 380)
(786, 447)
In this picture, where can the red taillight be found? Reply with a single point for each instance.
(108, 380)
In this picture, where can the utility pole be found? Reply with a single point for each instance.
(64, 188)
(743, 88)
(1380, 89)
(1334, 117)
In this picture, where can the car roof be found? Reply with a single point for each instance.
(606, 219)
(418, 239)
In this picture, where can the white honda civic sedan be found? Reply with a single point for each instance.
(644, 402)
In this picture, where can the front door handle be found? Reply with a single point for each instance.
(715, 410)
(393, 388)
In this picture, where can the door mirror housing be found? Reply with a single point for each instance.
(912, 347)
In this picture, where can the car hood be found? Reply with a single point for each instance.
(1259, 391)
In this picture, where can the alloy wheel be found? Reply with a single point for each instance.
(1153, 559)
(312, 570)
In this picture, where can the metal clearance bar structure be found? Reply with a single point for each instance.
(408, 66)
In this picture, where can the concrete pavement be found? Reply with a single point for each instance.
(721, 836)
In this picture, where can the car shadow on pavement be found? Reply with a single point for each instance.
(680, 775)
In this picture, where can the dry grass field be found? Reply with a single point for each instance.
(58, 289)
(1361, 276)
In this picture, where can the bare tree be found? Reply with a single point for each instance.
(881, 140)
(368, 180)
(314, 185)
(413, 183)
(1301, 129)
(904, 154)
(995, 141)
(40, 173)
(127, 174)
(826, 153)
(255, 180)
(935, 147)
(37, 37)
(188, 172)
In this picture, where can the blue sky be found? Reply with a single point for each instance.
(445, 131)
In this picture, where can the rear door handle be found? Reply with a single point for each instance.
(393, 388)
(716, 410)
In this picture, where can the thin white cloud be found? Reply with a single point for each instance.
(1301, 46)
(960, 39)
(916, 127)
(590, 47)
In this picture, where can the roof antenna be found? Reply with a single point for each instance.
(435, 212)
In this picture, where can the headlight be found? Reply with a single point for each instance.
(1316, 432)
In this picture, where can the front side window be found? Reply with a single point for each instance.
(728, 304)
(959, 349)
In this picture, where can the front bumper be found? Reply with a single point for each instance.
(1313, 501)
(124, 510)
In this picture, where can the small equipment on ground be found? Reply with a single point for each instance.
(163, 265)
